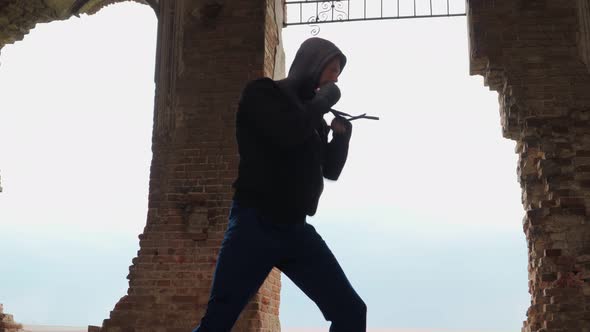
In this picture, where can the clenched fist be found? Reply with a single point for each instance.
(341, 126)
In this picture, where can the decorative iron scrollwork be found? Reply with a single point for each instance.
(327, 11)
(315, 29)
(339, 13)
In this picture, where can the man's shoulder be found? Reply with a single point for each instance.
(261, 83)
(263, 87)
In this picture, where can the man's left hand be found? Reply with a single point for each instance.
(341, 126)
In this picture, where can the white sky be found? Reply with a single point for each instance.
(425, 220)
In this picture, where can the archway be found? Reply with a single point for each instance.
(75, 142)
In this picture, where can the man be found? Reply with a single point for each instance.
(284, 156)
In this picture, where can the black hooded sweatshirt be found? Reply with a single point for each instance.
(283, 142)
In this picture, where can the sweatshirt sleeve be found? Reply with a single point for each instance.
(267, 111)
(336, 154)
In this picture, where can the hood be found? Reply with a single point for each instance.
(310, 60)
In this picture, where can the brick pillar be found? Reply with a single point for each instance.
(7, 323)
(584, 30)
(207, 51)
(530, 52)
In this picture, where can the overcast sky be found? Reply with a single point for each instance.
(425, 220)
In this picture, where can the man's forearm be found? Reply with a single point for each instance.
(336, 155)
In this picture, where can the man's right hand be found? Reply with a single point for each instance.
(326, 97)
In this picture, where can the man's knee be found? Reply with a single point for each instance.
(360, 307)
(350, 317)
(364, 308)
(354, 309)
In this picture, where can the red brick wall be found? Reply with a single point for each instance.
(206, 53)
(528, 51)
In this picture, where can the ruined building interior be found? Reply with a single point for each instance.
(534, 53)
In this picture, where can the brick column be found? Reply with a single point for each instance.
(530, 52)
(584, 30)
(207, 51)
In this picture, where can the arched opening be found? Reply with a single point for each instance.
(76, 117)
(426, 216)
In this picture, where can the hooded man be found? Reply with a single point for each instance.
(284, 156)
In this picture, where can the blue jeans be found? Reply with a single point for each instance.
(252, 246)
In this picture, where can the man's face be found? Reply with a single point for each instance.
(331, 72)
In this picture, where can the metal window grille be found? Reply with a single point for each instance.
(312, 12)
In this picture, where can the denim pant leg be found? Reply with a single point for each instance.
(315, 270)
(242, 266)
